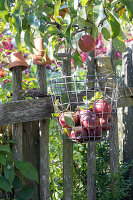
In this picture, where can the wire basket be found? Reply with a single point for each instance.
(85, 106)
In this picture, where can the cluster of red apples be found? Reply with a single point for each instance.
(88, 124)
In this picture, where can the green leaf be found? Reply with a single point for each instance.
(67, 35)
(27, 40)
(17, 183)
(5, 148)
(18, 41)
(34, 21)
(26, 193)
(98, 12)
(52, 30)
(69, 120)
(4, 184)
(11, 141)
(115, 26)
(25, 23)
(3, 158)
(105, 33)
(2, 5)
(81, 13)
(98, 95)
(89, 102)
(56, 10)
(55, 115)
(83, 2)
(77, 58)
(129, 5)
(27, 169)
(9, 172)
(119, 44)
(3, 13)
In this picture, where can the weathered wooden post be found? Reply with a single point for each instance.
(91, 160)
(113, 142)
(17, 129)
(67, 148)
(127, 65)
(44, 140)
(26, 133)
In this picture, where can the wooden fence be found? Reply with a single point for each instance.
(30, 122)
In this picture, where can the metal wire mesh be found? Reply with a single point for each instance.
(85, 106)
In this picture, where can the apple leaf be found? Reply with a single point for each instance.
(83, 2)
(52, 30)
(55, 115)
(89, 103)
(98, 95)
(77, 58)
(115, 26)
(69, 120)
(98, 12)
(27, 40)
(18, 41)
(56, 10)
(105, 33)
(119, 44)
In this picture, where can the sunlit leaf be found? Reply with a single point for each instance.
(56, 10)
(98, 13)
(77, 58)
(119, 44)
(105, 33)
(115, 25)
(83, 2)
(69, 120)
(18, 41)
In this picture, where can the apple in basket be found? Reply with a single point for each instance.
(103, 108)
(68, 119)
(88, 119)
(79, 134)
(95, 134)
(106, 124)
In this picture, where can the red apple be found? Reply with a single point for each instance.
(89, 119)
(86, 43)
(95, 133)
(79, 134)
(106, 124)
(67, 114)
(103, 108)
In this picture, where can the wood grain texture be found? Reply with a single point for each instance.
(114, 142)
(91, 159)
(25, 110)
(44, 140)
(17, 129)
(31, 151)
(67, 170)
(67, 148)
(91, 171)
(127, 65)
